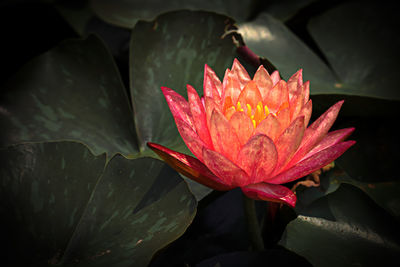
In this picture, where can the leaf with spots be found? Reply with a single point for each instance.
(72, 92)
(172, 57)
(62, 205)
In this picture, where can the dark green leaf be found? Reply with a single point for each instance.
(344, 228)
(62, 205)
(72, 92)
(126, 13)
(360, 41)
(270, 38)
(171, 51)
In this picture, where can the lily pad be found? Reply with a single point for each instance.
(173, 56)
(356, 40)
(360, 42)
(72, 92)
(62, 205)
(125, 13)
(344, 228)
(270, 38)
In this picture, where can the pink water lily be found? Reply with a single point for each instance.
(252, 133)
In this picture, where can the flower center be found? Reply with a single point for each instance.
(256, 114)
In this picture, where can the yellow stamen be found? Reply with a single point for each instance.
(266, 110)
(248, 110)
(254, 123)
(239, 107)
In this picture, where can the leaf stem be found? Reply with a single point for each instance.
(252, 224)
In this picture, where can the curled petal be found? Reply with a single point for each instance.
(178, 105)
(288, 142)
(311, 164)
(190, 167)
(226, 170)
(270, 192)
(316, 132)
(223, 136)
(263, 81)
(270, 126)
(258, 157)
(199, 116)
(243, 126)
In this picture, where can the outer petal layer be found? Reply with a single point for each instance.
(178, 105)
(258, 157)
(312, 163)
(316, 132)
(225, 169)
(270, 192)
(199, 116)
(190, 167)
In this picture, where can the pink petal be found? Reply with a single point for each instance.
(178, 105)
(241, 73)
(295, 84)
(191, 138)
(243, 126)
(311, 164)
(263, 81)
(258, 157)
(288, 142)
(199, 116)
(277, 96)
(190, 167)
(250, 95)
(275, 77)
(212, 78)
(223, 136)
(306, 92)
(270, 192)
(210, 105)
(316, 132)
(330, 139)
(306, 112)
(231, 86)
(270, 126)
(283, 117)
(225, 169)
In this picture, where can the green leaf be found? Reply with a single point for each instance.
(72, 92)
(271, 39)
(177, 45)
(356, 40)
(344, 228)
(359, 41)
(62, 205)
(126, 13)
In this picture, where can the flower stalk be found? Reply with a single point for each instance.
(252, 224)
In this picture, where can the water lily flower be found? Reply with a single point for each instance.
(252, 133)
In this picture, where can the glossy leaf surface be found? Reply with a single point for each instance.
(63, 205)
